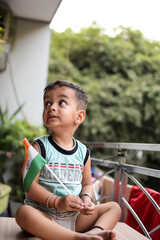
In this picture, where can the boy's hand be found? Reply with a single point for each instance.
(68, 203)
(89, 208)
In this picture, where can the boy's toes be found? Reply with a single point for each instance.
(112, 236)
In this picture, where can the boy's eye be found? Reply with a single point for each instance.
(62, 103)
(47, 104)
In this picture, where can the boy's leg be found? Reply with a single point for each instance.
(106, 216)
(40, 225)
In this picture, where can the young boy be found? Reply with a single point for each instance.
(49, 212)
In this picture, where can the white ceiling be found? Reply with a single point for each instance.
(37, 10)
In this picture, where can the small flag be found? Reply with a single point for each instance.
(33, 163)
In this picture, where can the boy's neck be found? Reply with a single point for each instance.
(64, 141)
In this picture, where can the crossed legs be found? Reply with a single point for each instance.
(40, 224)
(105, 216)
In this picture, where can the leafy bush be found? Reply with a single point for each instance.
(12, 132)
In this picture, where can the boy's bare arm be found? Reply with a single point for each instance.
(87, 190)
(87, 187)
(36, 192)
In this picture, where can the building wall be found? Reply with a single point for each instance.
(25, 77)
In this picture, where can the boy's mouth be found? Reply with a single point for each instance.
(52, 117)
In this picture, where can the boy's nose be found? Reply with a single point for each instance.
(53, 107)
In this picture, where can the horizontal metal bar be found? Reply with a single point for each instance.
(145, 192)
(142, 170)
(131, 168)
(136, 217)
(105, 163)
(131, 146)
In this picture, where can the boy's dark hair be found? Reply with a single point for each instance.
(81, 96)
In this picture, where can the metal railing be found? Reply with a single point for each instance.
(122, 172)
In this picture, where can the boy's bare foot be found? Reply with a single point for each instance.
(106, 235)
(91, 237)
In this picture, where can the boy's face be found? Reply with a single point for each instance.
(60, 108)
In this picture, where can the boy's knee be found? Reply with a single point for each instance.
(20, 214)
(116, 208)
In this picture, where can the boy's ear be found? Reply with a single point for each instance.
(80, 117)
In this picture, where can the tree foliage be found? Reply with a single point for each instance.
(121, 76)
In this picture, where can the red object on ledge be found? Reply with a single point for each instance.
(145, 211)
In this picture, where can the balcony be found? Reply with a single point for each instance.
(122, 172)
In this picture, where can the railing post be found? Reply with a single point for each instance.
(117, 176)
(124, 180)
(120, 182)
(123, 194)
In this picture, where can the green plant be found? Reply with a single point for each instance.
(7, 23)
(12, 132)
